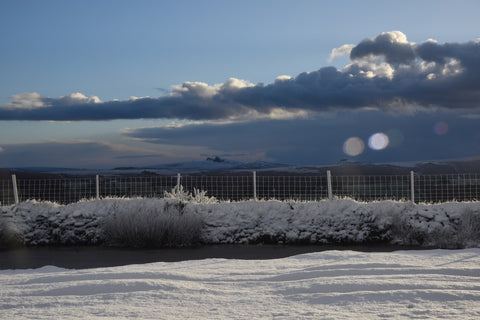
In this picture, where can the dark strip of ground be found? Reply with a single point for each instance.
(96, 257)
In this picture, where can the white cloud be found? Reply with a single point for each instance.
(73, 99)
(80, 97)
(33, 100)
(452, 67)
(200, 89)
(430, 40)
(283, 78)
(27, 100)
(395, 36)
(235, 84)
(133, 98)
(343, 50)
(203, 90)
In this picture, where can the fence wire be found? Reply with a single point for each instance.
(427, 188)
(56, 190)
(224, 188)
(372, 188)
(148, 187)
(6, 192)
(301, 188)
(447, 187)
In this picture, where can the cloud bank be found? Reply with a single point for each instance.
(386, 73)
(370, 136)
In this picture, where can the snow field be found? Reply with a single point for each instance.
(430, 284)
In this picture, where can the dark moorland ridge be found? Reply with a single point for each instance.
(346, 168)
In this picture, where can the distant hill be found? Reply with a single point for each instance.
(217, 166)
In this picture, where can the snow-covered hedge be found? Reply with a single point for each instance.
(170, 222)
(139, 225)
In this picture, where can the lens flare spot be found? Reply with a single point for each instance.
(353, 146)
(441, 128)
(378, 141)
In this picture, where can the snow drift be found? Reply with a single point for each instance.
(426, 284)
(170, 222)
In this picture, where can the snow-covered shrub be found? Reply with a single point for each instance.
(198, 196)
(148, 226)
(9, 236)
(468, 227)
(449, 225)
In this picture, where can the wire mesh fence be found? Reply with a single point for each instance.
(224, 188)
(6, 192)
(148, 187)
(426, 188)
(447, 187)
(56, 190)
(301, 188)
(372, 188)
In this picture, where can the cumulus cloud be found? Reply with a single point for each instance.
(283, 78)
(393, 46)
(343, 50)
(29, 101)
(386, 72)
(25, 101)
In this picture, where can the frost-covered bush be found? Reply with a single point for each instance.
(171, 222)
(451, 225)
(147, 226)
(468, 227)
(198, 196)
(9, 236)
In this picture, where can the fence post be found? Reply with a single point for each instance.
(178, 183)
(329, 185)
(97, 187)
(254, 186)
(412, 186)
(15, 189)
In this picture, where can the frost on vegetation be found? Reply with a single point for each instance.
(9, 235)
(164, 225)
(469, 228)
(184, 219)
(198, 196)
(441, 226)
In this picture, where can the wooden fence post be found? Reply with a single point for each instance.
(178, 183)
(329, 185)
(254, 186)
(97, 187)
(412, 186)
(15, 189)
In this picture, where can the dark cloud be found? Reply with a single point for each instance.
(386, 72)
(393, 46)
(316, 141)
(320, 140)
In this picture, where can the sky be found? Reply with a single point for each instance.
(102, 84)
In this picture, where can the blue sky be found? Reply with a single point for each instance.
(127, 83)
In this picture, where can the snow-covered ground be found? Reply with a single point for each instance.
(429, 284)
(152, 222)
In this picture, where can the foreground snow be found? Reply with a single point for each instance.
(430, 284)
